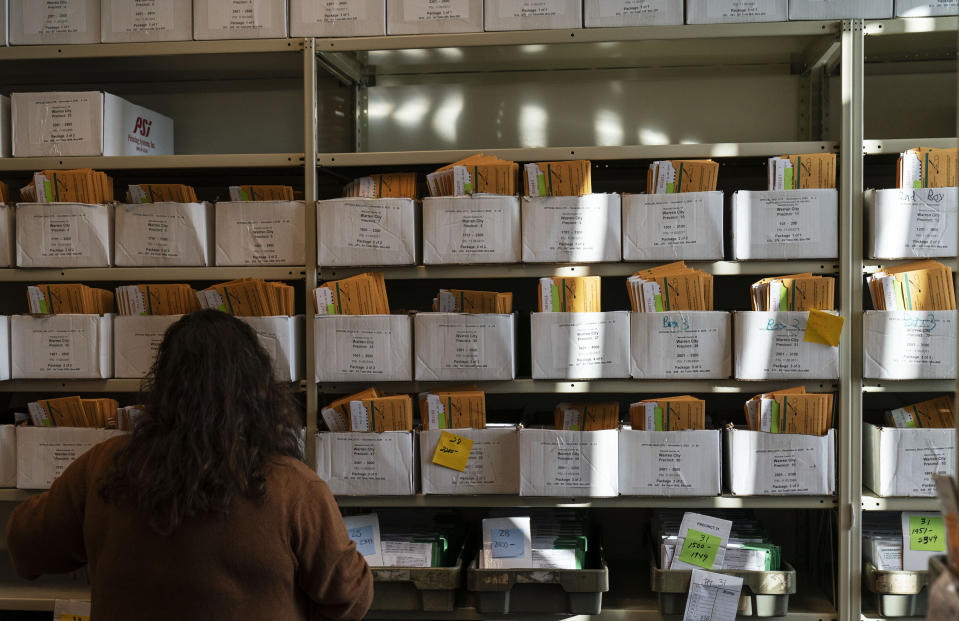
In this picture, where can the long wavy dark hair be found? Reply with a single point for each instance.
(214, 419)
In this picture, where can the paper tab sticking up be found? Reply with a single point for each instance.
(712, 597)
(704, 539)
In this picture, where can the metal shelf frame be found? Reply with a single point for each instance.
(818, 49)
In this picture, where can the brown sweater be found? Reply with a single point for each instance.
(288, 557)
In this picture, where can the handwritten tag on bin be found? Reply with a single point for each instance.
(700, 549)
(927, 533)
(452, 451)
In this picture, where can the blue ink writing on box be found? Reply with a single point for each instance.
(777, 326)
(926, 324)
(507, 542)
(363, 537)
(672, 324)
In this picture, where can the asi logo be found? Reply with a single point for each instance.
(142, 126)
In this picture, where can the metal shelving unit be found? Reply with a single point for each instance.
(812, 50)
(871, 502)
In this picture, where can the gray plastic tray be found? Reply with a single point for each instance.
(426, 589)
(765, 593)
(544, 591)
(897, 593)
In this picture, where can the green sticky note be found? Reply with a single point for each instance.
(927, 533)
(700, 549)
(331, 309)
(243, 195)
(44, 308)
(788, 179)
(541, 184)
(659, 303)
(900, 298)
(554, 292)
(222, 307)
(670, 188)
(917, 184)
(783, 298)
(48, 191)
(467, 187)
(775, 424)
(658, 413)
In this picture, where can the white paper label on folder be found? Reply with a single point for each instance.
(239, 14)
(42, 17)
(712, 596)
(369, 226)
(143, 16)
(364, 351)
(61, 121)
(333, 12)
(511, 9)
(359, 417)
(626, 8)
(433, 10)
(63, 235)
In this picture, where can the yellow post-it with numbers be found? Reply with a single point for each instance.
(823, 328)
(452, 451)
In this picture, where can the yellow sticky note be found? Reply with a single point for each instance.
(452, 451)
(823, 328)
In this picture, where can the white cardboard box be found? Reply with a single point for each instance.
(493, 466)
(282, 338)
(164, 234)
(128, 21)
(363, 348)
(433, 16)
(669, 463)
(471, 229)
(8, 456)
(43, 453)
(367, 464)
(735, 11)
(6, 124)
(260, 233)
(673, 227)
(8, 235)
(912, 223)
(61, 346)
(615, 13)
(770, 345)
(680, 345)
(840, 9)
(342, 18)
(532, 14)
(64, 235)
(239, 19)
(93, 123)
(5, 373)
(902, 462)
(572, 229)
(926, 8)
(909, 344)
(580, 345)
(756, 463)
(464, 347)
(366, 231)
(54, 22)
(785, 224)
(569, 464)
(136, 340)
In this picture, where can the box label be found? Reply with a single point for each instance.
(785, 340)
(267, 241)
(60, 350)
(791, 219)
(581, 344)
(692, 349)
(518, 9)
(143, 16)
(366, 460)
(61, 121)
(364, 351)
(580, 228)
(928, 224)
(479, 469)
(736, 9)
(481, 232)
(789, 470)
(239, 14)
(334, 11)
(42, 17)
(919, 458)
(157, 233)
(435, 10)
(918, 340)
(666, 466)
(62, 236)
(628, 8)
(464, 347)
(407, 554)
(366, 226)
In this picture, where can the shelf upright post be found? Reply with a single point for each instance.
(309, 195)
(850, 306)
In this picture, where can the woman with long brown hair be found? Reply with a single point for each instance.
(205, 511)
